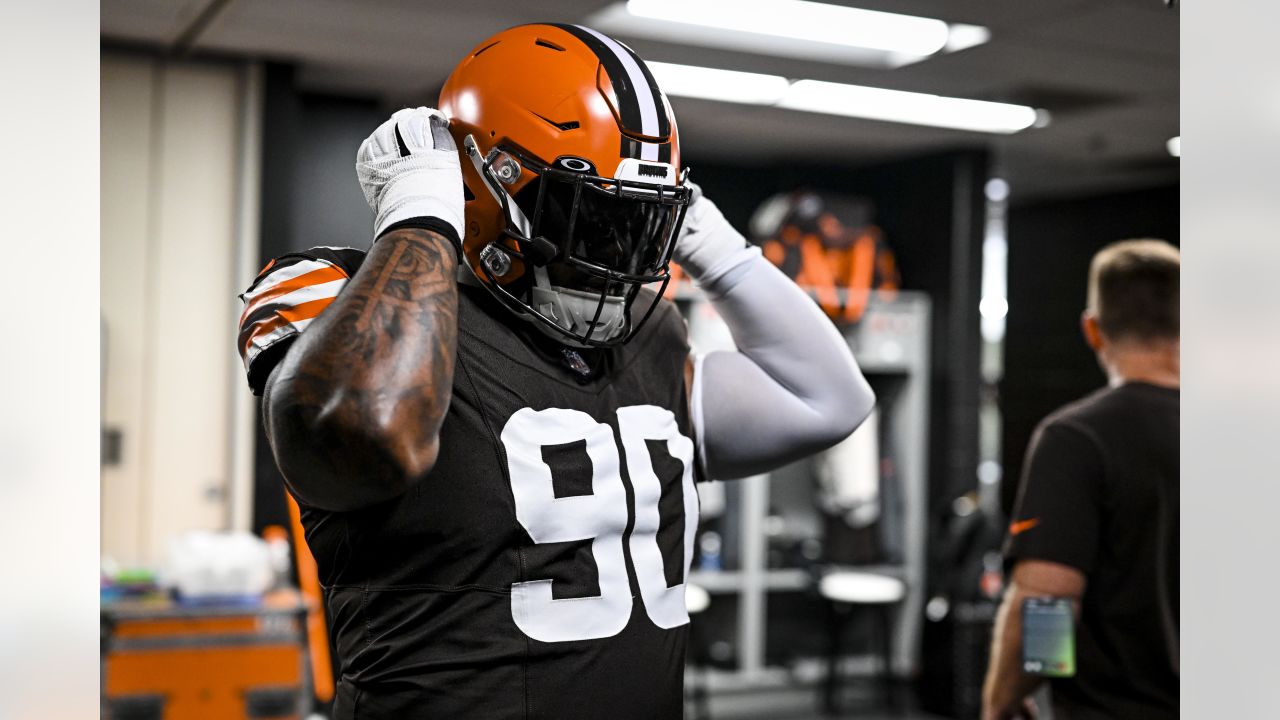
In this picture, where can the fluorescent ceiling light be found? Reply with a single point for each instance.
(803, 20)
(996, 190)
(790, 28)
(1174, 146)
(993, 308)
(714, 84)
(963, 37)
(839, 99)
(907, 107)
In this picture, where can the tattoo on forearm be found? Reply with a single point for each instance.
(382, 355)
(362, 324)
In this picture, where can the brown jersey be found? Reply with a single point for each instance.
(538, 570)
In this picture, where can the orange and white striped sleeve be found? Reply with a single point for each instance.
(288, 294)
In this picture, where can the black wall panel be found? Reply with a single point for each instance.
(1047, 363)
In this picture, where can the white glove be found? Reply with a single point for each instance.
(409, 170)
(706, 239)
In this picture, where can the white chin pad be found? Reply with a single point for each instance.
(574, 309)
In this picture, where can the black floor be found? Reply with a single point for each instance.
(861, 702)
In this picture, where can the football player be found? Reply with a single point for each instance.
(492, 421)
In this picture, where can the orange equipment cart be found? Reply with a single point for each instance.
(166, 661)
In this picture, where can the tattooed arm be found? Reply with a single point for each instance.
(353, 411)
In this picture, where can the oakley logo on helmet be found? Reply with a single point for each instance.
(576, 165)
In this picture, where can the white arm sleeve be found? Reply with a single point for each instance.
(793, 387)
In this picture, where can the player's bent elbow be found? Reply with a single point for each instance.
(333, 461)
(410, 458)
(848, 410)
(814, 430)
(375, 462)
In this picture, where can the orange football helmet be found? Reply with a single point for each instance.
(574, 188)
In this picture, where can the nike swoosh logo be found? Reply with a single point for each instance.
(1022, 526)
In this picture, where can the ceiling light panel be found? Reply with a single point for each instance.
(803, 20)
(715, 84)
(790, 28)
(847, 100)
(907, 107)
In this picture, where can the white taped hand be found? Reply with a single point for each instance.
(409, 169)
(706, 239)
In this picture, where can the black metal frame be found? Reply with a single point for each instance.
(629, 283)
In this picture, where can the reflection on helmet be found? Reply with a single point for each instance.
(571, 160)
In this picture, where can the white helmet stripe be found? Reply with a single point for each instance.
(645, 99)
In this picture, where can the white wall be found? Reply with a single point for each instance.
(173, 167)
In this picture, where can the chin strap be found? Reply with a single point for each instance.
(573, 310)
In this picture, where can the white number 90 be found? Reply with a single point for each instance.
(600, 517)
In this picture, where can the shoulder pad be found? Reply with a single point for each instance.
(290, 292)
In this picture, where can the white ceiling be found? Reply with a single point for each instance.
(1107, 70)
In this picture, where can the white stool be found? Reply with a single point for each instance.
(849, 588)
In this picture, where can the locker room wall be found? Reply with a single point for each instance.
(1051, 244)
(170, 135)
